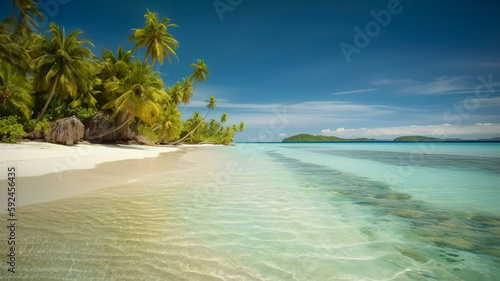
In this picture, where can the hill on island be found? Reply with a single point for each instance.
(311, 138)
(492, 139)
(320, 138)
(422, 138)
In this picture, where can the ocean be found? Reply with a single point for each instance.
(305, 211)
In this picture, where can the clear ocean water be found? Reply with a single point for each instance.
(334, 211)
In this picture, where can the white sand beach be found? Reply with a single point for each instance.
(40, 158)
(46, 172)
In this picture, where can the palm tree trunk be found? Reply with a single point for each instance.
(184, 108)
(188, 134)
(194, 89)
(48, 100)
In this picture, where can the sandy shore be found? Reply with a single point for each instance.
(40, 158)
(47, 172)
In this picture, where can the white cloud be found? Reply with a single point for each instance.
(282, 135)
(489, 102)
(441, 86)
(393, 81)
(354, 91)
(444, 85)
(304, 115)
(479, 130)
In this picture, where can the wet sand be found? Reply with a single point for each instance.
(98, 166)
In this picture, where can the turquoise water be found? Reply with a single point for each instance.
(341, 211)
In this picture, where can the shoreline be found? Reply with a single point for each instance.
(42, 158)
(48, 172)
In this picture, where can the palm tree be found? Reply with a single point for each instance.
(171, 124)
(86, 95)
(29, 10)
(187, 92)
(175, 93)
(63, 65)
(140, 95)
(211, 105)
(242, 126)
(212, 129)
(200, 72)
(227, 136)
(115, 67)
(223, 117)
(15, 92)
(155, 37)
(193, 125)
(215, 128)
(13, 45)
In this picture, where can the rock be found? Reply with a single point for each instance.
(414, 255)
(66, 131)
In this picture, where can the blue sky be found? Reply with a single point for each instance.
(430, 69)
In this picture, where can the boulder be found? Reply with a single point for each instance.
(66, 131)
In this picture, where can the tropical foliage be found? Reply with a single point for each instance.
(155, 37)
(10, 130)
(52, 75)
(417, 138)
(64, 65)
(15, 93)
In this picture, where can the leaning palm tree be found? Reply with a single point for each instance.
(211, 105)
(200, 71)
(223, 117)
(195, 126)
(140, 95)
(155, 37)
(241, 127)
(28, 11)
(187, 92)
(199, 74)
(63, 65)
(15, 92)
(216, 127)
(227, 136)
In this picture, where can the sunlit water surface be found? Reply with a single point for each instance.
(364, 211)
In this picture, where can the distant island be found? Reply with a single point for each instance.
(311, 138)
(320, 138)
(422, 138)
(492, 139)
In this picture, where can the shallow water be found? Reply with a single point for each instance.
(281, 212)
